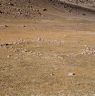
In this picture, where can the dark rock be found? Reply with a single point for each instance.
(6, 25)
(71, 74)
(1, 12)
(44, 9)
(83, 14)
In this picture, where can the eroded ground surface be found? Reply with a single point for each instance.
(47, 57)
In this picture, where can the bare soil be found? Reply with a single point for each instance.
(48, 55)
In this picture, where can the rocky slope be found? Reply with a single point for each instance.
(25, 8)
(37, 8)
(90, 4)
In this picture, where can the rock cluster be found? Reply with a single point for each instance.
(89, 51)
(21, 8)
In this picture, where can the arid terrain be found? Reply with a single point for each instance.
(47, 48)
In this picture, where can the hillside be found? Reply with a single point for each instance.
(36, 8)
(24, 8)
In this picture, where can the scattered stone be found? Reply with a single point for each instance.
(52, 74)
(44, 9)
(11, 4)
(8, 56)
(89, 51)
(19, 13)
(1, 12)
(39, 13)
(39, 39)
(25, 50)
(71, 74)
(4, 45)
(24, 26)
(6, 25)
(83, 14)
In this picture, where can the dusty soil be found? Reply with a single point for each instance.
(49, 55)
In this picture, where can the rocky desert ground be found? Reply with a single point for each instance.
(47, 48)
